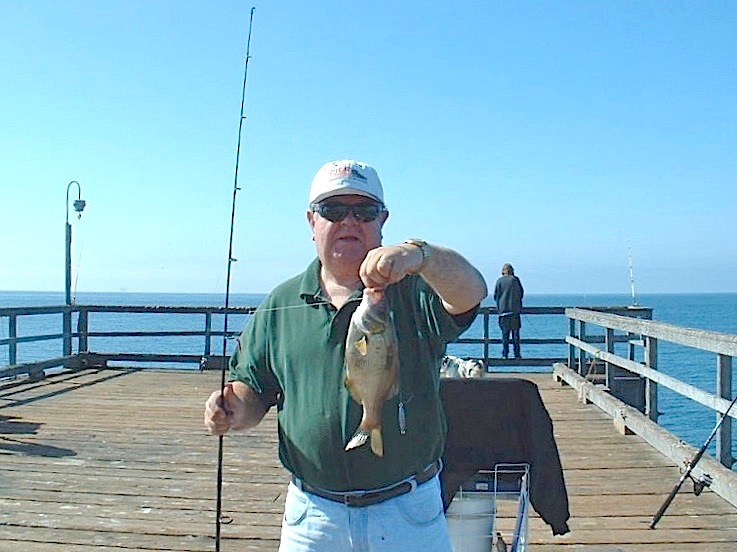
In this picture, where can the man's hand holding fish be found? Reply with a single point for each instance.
(440, 267)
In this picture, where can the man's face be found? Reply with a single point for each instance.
(347, 240)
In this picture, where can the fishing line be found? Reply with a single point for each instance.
(528, 320)
(219, 518)
(300, 306)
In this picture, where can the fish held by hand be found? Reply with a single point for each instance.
(371, 365)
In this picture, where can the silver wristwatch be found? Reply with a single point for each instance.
(424, 249)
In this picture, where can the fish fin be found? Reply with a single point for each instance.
(362, 345)
(377, 442)
(359, 438)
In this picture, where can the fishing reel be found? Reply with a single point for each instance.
(703, 481)
(698, 484)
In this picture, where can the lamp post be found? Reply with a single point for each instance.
(79, 204)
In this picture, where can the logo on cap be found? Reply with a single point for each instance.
(343, 171)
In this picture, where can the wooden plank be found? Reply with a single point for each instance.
(35, 369)
(23, 539)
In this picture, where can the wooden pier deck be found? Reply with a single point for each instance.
(117, 459)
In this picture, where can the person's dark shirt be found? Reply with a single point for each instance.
(508, 294)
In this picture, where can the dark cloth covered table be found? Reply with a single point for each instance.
(503, 420)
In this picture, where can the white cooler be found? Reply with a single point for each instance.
(471, 515)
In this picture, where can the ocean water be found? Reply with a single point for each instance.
(688, 420)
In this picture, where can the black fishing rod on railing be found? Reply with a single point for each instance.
(219, 518)
(700, 483)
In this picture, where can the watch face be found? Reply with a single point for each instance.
(424, 249)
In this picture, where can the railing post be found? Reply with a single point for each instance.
(82, 330)
(13, 335)
(208, 332)
(651, 388)
(67, 331)
(609, 370)
(724, 390)
(581, 352)
(571, 348)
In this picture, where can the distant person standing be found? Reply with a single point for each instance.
(508, 294)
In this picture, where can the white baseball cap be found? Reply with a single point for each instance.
(346, 177)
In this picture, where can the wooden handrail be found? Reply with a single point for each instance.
(650, 333)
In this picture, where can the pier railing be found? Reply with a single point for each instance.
(81, 323)
(547, 342)
(97, 334)
(635, 378)
(614, 370)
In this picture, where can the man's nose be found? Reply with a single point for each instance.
(352, 217)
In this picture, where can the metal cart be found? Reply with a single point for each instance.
(490, 511)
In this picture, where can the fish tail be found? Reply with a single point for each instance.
(377, 441)
(359, 438)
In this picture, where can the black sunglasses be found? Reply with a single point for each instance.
(335, 212)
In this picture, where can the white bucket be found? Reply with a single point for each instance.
(471, 517)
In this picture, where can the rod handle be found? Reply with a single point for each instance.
(664, 507)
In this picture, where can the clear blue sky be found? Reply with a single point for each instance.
(549, 134)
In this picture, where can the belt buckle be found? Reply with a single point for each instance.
(367, 498)
(354, 500)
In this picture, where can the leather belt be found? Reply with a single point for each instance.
(374, 496)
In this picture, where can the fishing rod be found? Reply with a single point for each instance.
(219, 519)
(703, 481)
(632, 275)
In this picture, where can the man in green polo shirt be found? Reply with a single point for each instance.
(291, 356)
